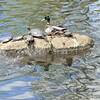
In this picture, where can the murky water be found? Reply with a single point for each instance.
(80, 81)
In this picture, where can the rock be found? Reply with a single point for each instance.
(37, 47)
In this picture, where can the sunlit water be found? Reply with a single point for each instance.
(80, 81)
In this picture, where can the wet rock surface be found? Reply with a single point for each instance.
(56, 44)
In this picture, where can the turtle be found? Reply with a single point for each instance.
(68, 33)
(6, 39)
(29, 40)
(36, 33)
(18, 38)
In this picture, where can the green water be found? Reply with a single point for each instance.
(80, 81)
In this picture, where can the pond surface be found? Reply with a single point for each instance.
(80, 81)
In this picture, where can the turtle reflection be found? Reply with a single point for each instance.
(52, 58)
(65, 83)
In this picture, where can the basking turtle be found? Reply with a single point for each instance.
(18, 38)
(6, 39)
(29, 40)
(36, 33)
(68, 34)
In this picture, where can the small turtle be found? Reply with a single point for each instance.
(29, 37)
(36, 33)
(29, 40)
(6, 39)
(18, 38)
(68, 34)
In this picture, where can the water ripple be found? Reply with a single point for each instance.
(80, 81)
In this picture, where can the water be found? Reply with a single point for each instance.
(80, 81)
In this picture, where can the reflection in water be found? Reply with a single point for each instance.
(75, 78)
(19, 88)
(11, 67)
(63, 82)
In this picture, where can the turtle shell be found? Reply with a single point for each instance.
(18, 38)
(6, 39)
(28, 38)
(36, 33)
(68, 34)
